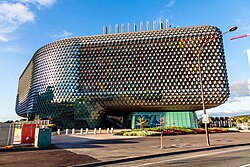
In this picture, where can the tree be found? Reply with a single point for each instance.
(161, 121)
(9, 121)
(245, 119)
(141, 121)
(238, 120)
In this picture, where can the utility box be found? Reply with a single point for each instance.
(42, 137)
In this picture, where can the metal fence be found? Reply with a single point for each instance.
(6, 134)
(14, 133)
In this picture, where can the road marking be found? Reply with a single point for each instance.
(245, 165)
(195, 156)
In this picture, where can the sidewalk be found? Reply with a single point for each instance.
(108, 148)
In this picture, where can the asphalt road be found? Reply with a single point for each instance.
(230, 157)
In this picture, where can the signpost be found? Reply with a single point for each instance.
(205, 118)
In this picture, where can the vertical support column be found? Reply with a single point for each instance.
(100, 130)
(95, 131)
(116, 28)
(167, 24)
(134, 27)
(107, 130)
(161, 24)
(87, 130)
(81, 131)
(67, 131)
(105, 30)
(111, 130)
(154, 25)
(141, 26)
(128, 27)
(58, 131)
(110, 29)
(148, 26)
(123, 28)
(73, 131)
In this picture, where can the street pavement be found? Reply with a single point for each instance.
(223, 157)
(109, 149)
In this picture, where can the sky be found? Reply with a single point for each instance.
(27, 25)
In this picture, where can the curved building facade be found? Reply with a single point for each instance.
(85, 80)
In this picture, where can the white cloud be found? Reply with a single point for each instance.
(3, 39)
(237, 104)
(11, 48)
(170, 4)
(18, 12)
(239, 89)
(12, 15)
(61, 34)
(243, 24)
(239, 107)
(40, 3)
(166, 10)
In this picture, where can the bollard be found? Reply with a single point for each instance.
(67, 131)
(87, 130)
(107, 130)
(100, 130)
(161, 141)
(111, 131)
(81, 131)
(95, 131)
(58, 131)
(73, 131)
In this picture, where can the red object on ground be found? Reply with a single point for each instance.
(28, 133)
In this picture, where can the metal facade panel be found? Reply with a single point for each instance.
(135, 71)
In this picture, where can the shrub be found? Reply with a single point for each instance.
(140, 133)
(217, 130)
(120, 133)
(199, 131)
(53, 127)
(169, 131)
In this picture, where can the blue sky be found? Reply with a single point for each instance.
(27, 25)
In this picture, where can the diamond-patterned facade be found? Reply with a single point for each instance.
(82, 79)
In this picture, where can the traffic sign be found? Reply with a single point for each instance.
(205, 119)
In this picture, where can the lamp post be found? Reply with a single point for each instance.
(200, 78)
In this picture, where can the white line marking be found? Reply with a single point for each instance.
(245, 165)
(195, 156)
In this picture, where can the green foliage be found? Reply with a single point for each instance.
(120, 133)
(242, 119)
(238, 120)
(171, 130)
(53, 127)
(23, 120)
(9, 121)
(245, 119)
(140, 133)
(141, 121)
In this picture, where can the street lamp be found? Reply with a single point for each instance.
(200, 78)
(239, 36)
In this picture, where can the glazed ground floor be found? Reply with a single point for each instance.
(134, 120)
(164, 119)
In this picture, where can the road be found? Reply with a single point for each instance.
(229, 157)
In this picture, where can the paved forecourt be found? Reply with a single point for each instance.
(108, 147)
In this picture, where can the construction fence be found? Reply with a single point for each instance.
(19, 132)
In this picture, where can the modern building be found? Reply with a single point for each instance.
(93, 81)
